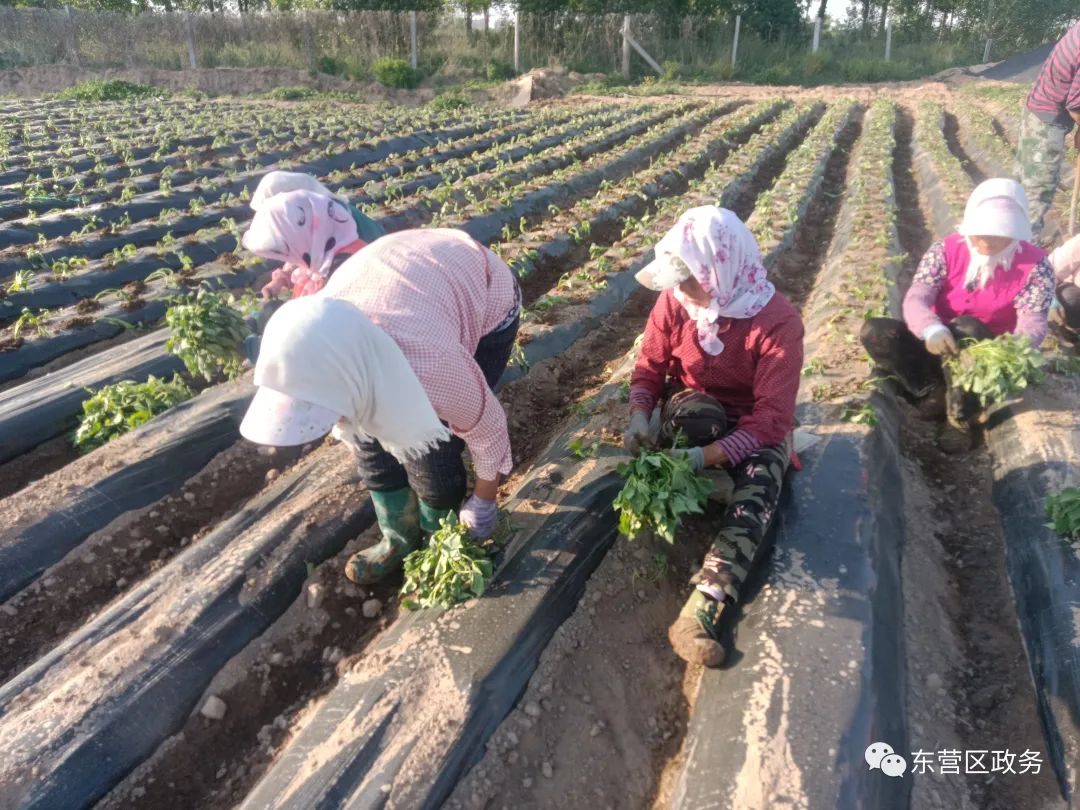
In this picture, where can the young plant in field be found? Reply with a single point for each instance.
(207, 334)
(123, 406)
(20, 282)
(30, 320)
(450, 569)
(659, 492)
(1063, 510)
(864, 414)
(996, 369)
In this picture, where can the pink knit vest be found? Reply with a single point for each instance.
(993, 304)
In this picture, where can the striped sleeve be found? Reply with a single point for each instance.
(738, 444)
(1057, 87)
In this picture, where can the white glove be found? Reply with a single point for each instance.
(480, 516)
(637, 435)
(939, 340)
(696, 455)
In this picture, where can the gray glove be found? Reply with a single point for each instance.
(696, 455)
(637, 435)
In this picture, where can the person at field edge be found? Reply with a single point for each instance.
(398, 355)
(985, 280)
(300, 223)
(722, 356)
(273, 228)
(1065, 312)
(1051, 110)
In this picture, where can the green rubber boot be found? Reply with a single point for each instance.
(694, 635)
(430, 518)
(399, 520)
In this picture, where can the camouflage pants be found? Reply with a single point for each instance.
(758, 478)
(1038, 164)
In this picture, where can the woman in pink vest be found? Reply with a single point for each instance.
(1066, 310)
(983, 281)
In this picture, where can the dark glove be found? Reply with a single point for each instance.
(696, 456)
(637, 434)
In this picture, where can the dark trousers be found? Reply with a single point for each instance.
(1068, 295)
(759, 479)
(921, 375)
(438, 478)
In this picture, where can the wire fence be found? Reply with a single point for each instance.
(347, 43)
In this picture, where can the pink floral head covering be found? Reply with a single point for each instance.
(714, 246)
(303, 229)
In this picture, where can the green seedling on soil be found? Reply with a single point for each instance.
(1063, 510)
(449, 570)
(654, 573)
(123, 406)
(996, 369)
(815, 366)
(660, 491)
(579, 448)
(207, 334)
(30, 320)
(624, 391)
(864, 414)
(20, 282)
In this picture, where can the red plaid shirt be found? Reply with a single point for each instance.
(755, 378)
(436, 292)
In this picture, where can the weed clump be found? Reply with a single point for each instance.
(450, 569)
(398, 73)
(115, 409)
(109, 90)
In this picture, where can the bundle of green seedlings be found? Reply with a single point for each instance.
(450, 569)
(123, 406)
(207, 334)
(659, 492)
(996, 369)
(1063, 510)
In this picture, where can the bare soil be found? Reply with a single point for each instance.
(969, 687)
(114, 558)
(609, 700)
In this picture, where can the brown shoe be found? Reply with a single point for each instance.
(693, 636)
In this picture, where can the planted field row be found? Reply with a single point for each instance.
(571, 234)
(77, 333)
(172, 223)
(81, 277)
(57, 403)
(941, 176)
(172, 131)
(314, 157)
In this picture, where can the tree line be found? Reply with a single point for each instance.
(1011, 24)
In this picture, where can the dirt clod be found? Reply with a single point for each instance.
(371, 608)
(214, 708)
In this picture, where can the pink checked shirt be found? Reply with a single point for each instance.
(436, 292)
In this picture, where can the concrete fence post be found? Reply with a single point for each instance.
(888, 42)
(309, 41)
(626, 46)
(735, 44)
(986, 50)
(817, 35)
(412, 39)
(517, 42)
(73, 37)
(189, 36)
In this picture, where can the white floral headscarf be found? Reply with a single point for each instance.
(725, 259)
